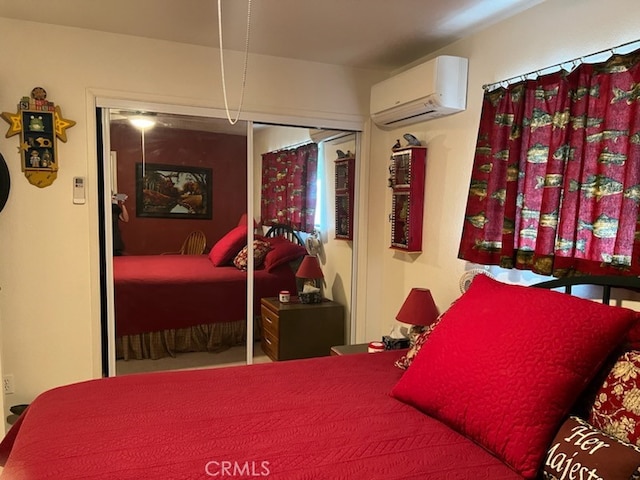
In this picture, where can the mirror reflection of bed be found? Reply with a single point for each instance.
(169, 314)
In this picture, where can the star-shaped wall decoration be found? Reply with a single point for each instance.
(15, 122)
(39, 123)
(61, 124)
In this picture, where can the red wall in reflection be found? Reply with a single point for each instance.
(225, 154)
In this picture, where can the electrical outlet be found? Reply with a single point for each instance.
(7, 384)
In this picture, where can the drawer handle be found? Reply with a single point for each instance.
(268, 320)
(267, 340)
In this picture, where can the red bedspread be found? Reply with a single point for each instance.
(323, 418)
(159, 292)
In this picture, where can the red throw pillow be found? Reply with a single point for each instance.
(507, 362)
(581, 451)
(282, 251)
(228, 246)
(616, 406)
(244, 221)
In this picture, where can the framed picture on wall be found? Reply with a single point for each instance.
(172, 191)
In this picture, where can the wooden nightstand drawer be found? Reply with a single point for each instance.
(269, 344)
(269, 320)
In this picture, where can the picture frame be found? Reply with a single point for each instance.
(173, 191)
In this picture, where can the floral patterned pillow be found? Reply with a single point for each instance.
(405, 361)
(616, 406)
(260, 249)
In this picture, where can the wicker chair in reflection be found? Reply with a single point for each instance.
(194, 244)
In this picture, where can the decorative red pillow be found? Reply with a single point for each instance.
(282, 251)
(616, 406)
(581, 451)
(228, 246)
(244, 221)
(507, 362)
(260, 249)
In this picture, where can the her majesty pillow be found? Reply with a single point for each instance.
(581, 451)
(506, 363)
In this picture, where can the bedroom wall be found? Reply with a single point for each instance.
(49, 269)
(337, 267)
(224, 154)
(50, 334)
(552, 32)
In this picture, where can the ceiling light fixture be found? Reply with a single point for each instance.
(142, 123)
(246, 55)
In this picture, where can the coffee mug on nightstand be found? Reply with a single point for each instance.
(284, 296)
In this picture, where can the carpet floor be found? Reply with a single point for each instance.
(183, 361)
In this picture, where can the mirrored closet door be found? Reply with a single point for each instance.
(182, 196)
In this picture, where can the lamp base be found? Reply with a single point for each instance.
(414, 333)
(310, 297)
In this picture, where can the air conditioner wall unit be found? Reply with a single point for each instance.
(430, 90)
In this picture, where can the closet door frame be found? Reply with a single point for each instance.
(101, 105)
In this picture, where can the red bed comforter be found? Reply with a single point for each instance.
(324, 418)
(159, 292)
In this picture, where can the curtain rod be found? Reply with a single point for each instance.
(575, 61)
(297, 145)
(293, 146)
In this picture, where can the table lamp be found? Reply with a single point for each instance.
(418, 310)
(310, 272)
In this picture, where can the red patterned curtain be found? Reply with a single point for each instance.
(555, 184)
(289, 187)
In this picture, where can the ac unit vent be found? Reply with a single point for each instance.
(430, 90)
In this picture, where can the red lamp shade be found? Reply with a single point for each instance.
(309, 268)
(418, 308)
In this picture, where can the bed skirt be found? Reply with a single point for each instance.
(213, 337)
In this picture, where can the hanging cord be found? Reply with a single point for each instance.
(246, 55)
(143, 155)
(574, 63)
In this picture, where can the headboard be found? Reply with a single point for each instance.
(282, 230)
(607, 282)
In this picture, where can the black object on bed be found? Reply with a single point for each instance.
(285, 231)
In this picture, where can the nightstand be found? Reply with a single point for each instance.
(349, 349)
(300, 330)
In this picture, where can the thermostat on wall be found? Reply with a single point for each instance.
(78, 190)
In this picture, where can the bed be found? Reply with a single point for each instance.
(165, 304)
(356, 416)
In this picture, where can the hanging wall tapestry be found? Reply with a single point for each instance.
(39, 122)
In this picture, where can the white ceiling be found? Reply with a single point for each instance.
(376, 34)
